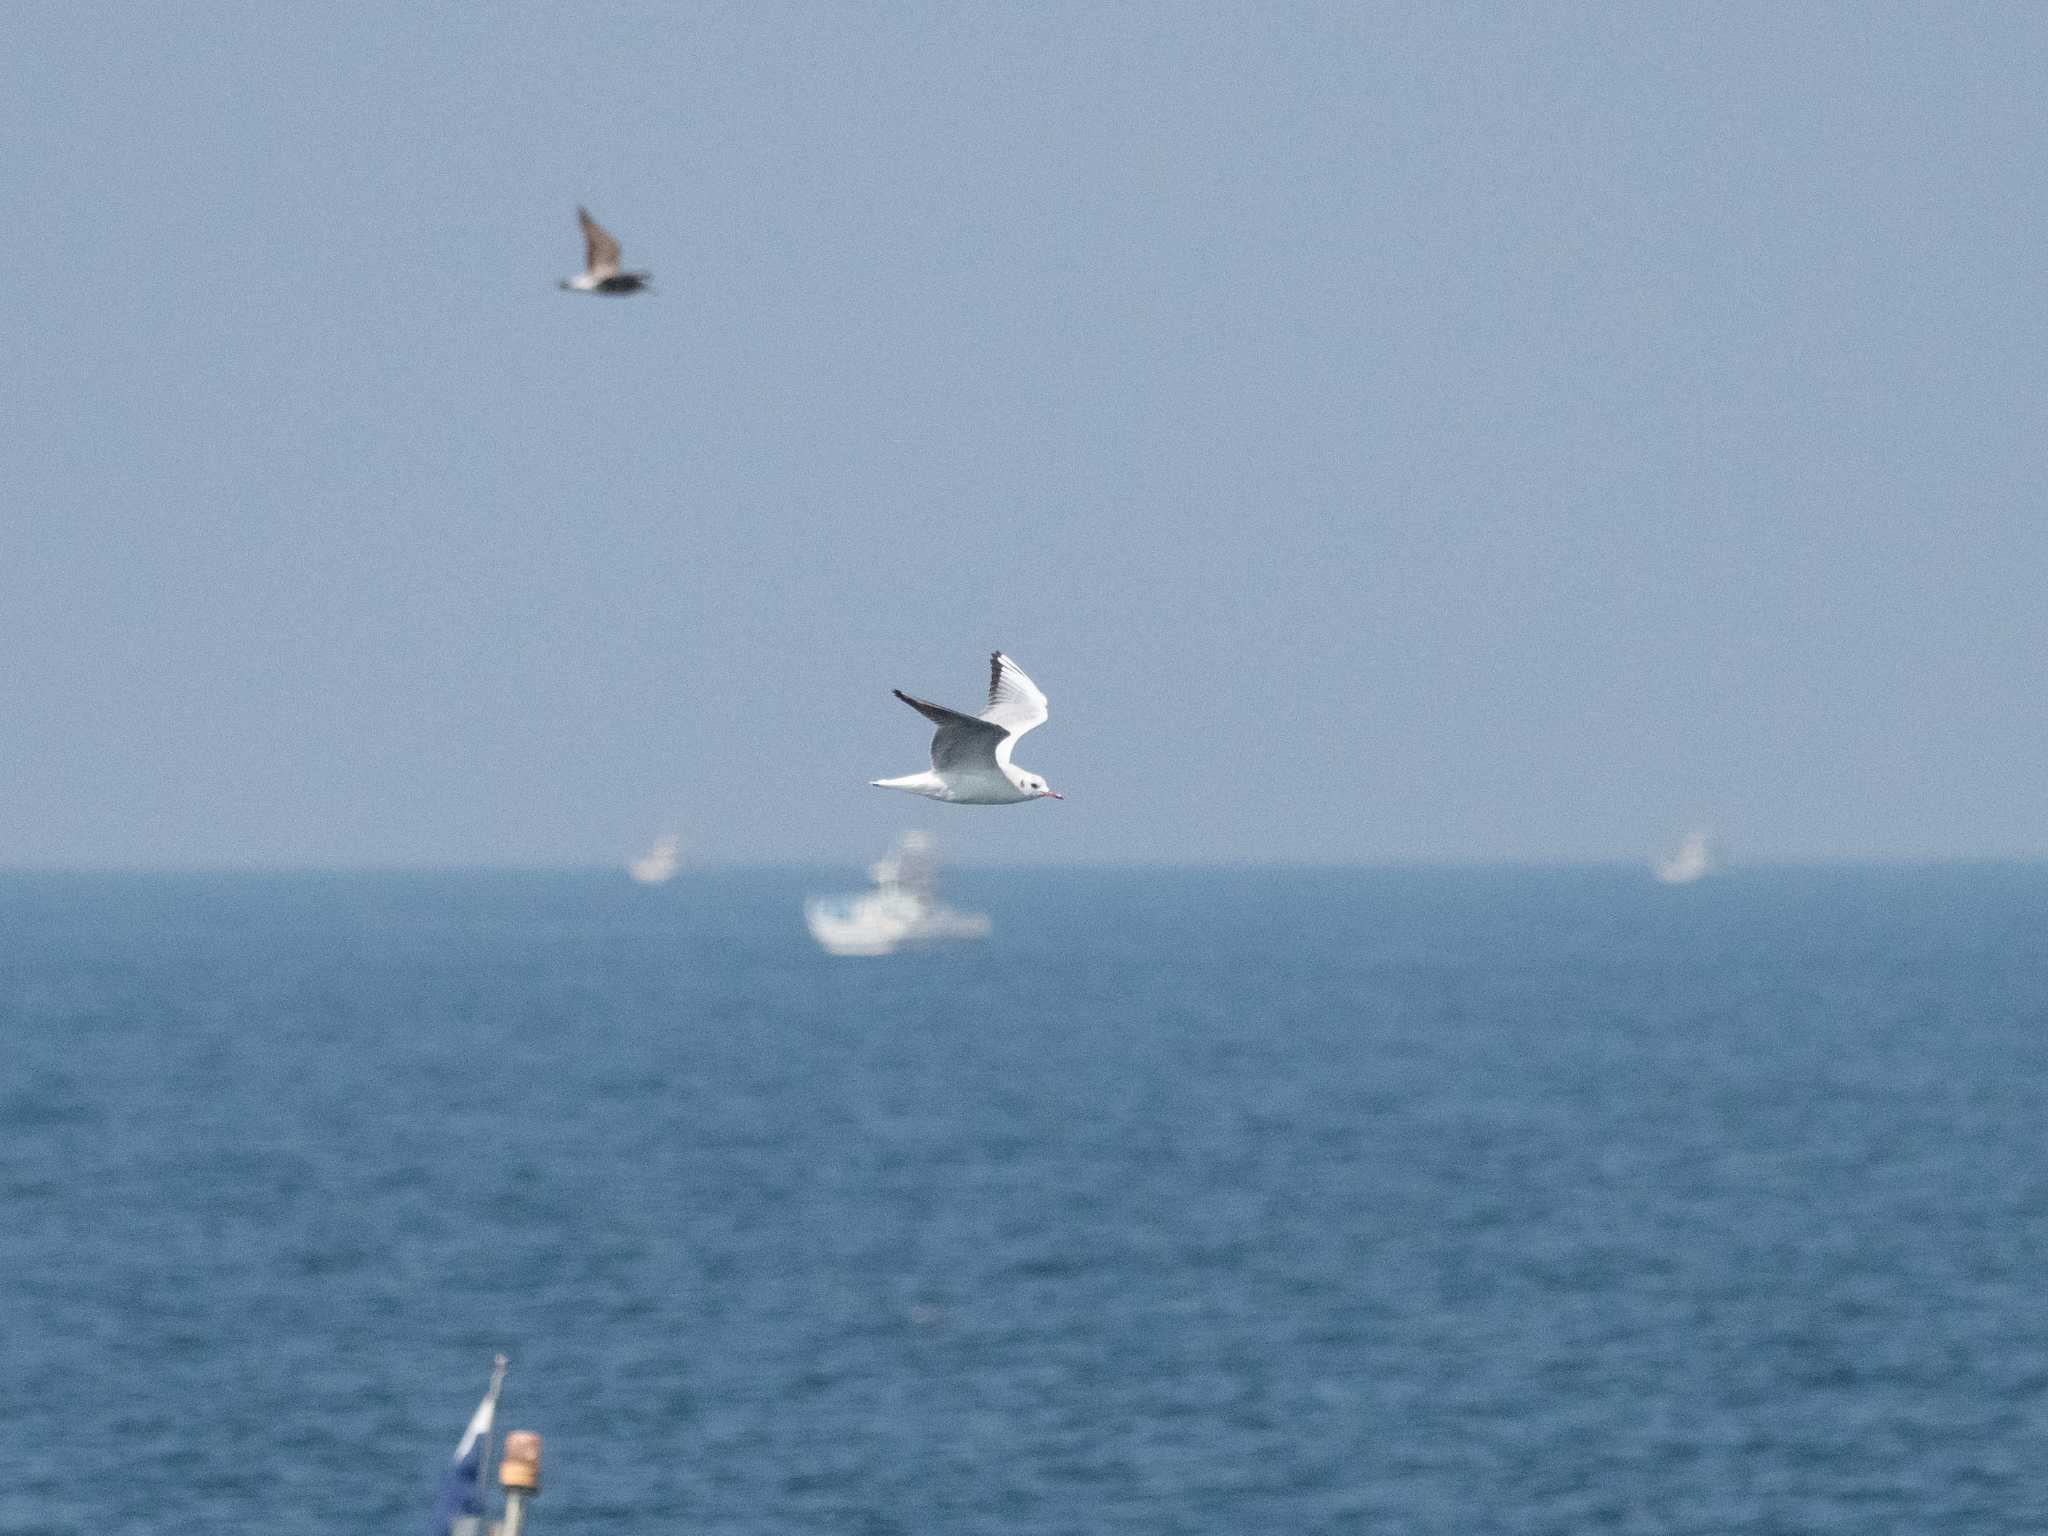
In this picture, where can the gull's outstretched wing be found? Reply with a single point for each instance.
(1014, 702)
(600, 250)
(961, 741)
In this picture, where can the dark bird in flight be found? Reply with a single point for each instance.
(601, 272)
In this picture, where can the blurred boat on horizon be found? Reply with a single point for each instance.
(1693, 861)
(902, 910)
(658, 865)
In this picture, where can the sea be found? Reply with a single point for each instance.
(1440, 1202)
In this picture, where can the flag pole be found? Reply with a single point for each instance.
(498, 1366)
(459, 1507)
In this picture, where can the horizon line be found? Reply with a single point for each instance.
(1221, 865)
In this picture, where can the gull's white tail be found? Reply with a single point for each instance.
(917, 783)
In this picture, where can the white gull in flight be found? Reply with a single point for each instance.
(601, 272)
(971, 754)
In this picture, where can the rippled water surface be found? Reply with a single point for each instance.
(1416, 1202)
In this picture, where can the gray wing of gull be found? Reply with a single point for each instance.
(600, 250)
(961, 741)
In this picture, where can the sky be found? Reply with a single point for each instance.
(1435, 433)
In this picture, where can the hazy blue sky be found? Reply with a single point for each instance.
(1458, 432)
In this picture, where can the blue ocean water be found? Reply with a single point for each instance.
(1192, 1202)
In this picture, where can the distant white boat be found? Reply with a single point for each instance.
(902, 910)
(658, 865)
(1694, 859)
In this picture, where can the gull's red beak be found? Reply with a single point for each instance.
(1055, 794)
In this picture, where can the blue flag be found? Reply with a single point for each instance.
(459, 1510)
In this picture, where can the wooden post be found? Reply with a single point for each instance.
(519, 1475)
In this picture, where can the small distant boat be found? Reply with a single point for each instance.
(903, 909)
(658, 865)
(1694, 860)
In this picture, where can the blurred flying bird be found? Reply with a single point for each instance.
(601, 272)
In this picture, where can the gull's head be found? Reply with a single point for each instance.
(1037, 788)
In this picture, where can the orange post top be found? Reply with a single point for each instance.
(520, 1467)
